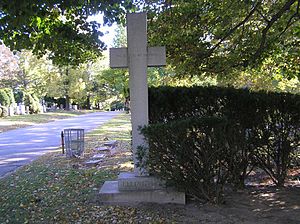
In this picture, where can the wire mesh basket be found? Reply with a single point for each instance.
(74, 142)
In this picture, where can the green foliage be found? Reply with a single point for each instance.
(4, 98)
(4, 111)
(10, 95)
(58, 27)
(217, 37)
(188, 154)
(262, 129)
(32, 102)
(19, 96)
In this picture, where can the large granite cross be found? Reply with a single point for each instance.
(137, 57)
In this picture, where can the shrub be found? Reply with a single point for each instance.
(277, 137)
(10, 95)
(4, 111)
(19, 96)
(31, 103)
(4, 98)
(189, 154)
(263, 128)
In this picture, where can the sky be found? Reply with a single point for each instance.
(109, 31)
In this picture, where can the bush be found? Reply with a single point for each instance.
(4, 98)
(189, 154)
(4, 111)
(19, 96)
(10, 95)
(262, 131)
(31, 103)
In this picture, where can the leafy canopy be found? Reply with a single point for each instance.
(216, 37)
(59, 27)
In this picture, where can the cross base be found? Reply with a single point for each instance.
(129, 189)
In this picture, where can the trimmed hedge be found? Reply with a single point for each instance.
(262, 129)
(190, 155)
(173, 103)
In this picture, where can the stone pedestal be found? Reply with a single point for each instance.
(130, 189)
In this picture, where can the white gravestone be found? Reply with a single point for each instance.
(137, 57)
(11, 111)
(22, 109)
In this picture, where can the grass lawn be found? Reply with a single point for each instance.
(54, 189)
(20, 121)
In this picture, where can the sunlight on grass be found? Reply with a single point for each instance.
(20, 121)
(55, 189)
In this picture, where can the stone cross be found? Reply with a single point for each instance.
(137, 57)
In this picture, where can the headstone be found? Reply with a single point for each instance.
(44, 108)
(99, 156)
(92, 162)
(138, 187)
(137, 57)
(102, 149)
(41, 108)
(16, 110)
(61, 107)
(11, 111)
(111, 143)
(21, 108)
(75, 107)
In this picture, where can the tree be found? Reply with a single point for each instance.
(8, 66)
(59, 27)
(217, 37)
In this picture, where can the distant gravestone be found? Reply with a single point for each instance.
(41, 108)
(11, 111)
(44, 108)
(21, 109)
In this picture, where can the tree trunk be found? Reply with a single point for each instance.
(67, 90)
(67, 102)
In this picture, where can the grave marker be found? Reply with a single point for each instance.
(137, 57)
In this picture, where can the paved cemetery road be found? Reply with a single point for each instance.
(21, 146)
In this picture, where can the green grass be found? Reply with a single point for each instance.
(19, 121)
(54, 189)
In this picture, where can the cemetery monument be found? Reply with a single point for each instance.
(138, 186)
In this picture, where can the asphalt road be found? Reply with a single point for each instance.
(21, 146)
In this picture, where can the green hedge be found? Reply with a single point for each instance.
(262, 129)
(173, 103)
(189, 154)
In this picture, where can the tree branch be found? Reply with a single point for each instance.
(274, 18)
(290, 22)
(235, 28)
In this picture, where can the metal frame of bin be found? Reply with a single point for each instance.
(74, 142)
